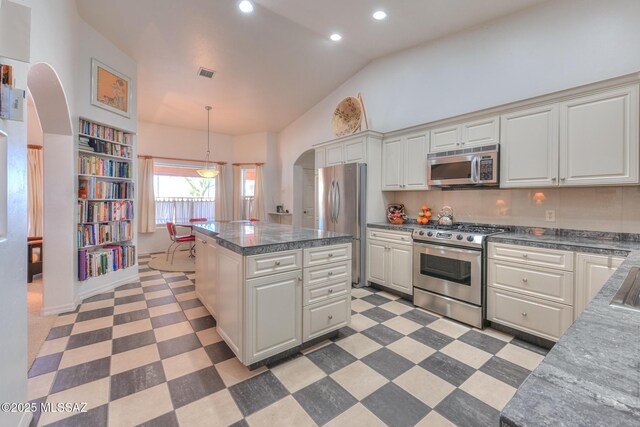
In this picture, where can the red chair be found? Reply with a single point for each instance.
(192, 220)
(177, 240)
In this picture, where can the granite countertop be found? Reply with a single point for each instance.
(251, 238)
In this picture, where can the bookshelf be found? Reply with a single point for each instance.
(106, 200)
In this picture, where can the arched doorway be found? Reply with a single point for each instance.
(304, 190)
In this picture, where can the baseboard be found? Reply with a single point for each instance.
(106, 287)
(59, 309)
(25, 420)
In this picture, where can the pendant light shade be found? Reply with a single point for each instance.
(208, 171)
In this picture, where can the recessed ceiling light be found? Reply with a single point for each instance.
(246, 6)
(379, 15)
(335, 37)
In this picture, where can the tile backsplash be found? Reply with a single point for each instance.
(593, 208)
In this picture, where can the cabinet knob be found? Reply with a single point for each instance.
(330, 316)
(330, 255)
(403, 238)
(277, 262)
(299, 279)
(554, 179)
(525, 255)
(524, 314)
(524, 279)
(330, 273)
(563, 179)
(330, 291)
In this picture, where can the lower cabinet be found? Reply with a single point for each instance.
(325, 316)
(230, 294)
(206, 272)
(390, 261)
(593, 273)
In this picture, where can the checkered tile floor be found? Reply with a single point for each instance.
(149, 354)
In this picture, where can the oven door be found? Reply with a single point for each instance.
(448, 271)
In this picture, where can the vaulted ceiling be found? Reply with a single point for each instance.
(273, 64)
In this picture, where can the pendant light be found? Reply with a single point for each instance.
(208, 172)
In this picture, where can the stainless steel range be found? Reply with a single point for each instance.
(448, 271)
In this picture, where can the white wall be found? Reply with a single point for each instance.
(554, 46)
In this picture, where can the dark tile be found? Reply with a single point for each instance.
(405, 302)
(382, 334)
(483, 342)
(447, 368)
(129, 298)
(192, 303)
(465, 410)
(219, 352)
(167, 420)
(161, 301)
(378, 314)
(135, 380)
(130, 342)
(128, 286)
(88, 338)
(395, 407)
(420, 317)
(375, 299)
(388, 363)
(505, 371)
(431, 338)
(343, 333)
(81, 374)
(131, 316)
(331, 358)
(99, 297)
(528, 346)
(183, 289)
(176, 279)
(178, 345)
(37, 412)
(202, 323)
(96, 417)
(155, 288)
(94, 314)
(168, 319)
(257, 393)
(324, 400)
(241, 423)
(151, 277)
(194, 386)
(59, 332)
(45, 364)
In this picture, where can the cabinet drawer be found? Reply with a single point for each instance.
(324, 317)
(277, 262)
(547, 283)
(327, 273)
(325, 254)
(533, 256)
(326, 290)
(533, 315)
(390, 236)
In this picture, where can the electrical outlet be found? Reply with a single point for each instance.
(550, 215)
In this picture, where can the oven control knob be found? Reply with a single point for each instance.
(459, 237)
(430, 234)
(421, 233)
(470, 238)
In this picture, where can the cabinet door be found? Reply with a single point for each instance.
(229, 289)
(481, 132)
(445, 138)
(274, 314)
(335, 154)
(392, 164)
(321, 154)
(355, 151)
(400, 268)
(599, 138)
(593, 272)
(209, 291)
(529, 148)
(415, 162)
(377, 262)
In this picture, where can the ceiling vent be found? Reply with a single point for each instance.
(205, 72)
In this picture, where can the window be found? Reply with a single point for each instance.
(247, 191)
(181, 194)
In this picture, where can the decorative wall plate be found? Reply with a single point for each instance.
(347, 117)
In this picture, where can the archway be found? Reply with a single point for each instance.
(304, 194)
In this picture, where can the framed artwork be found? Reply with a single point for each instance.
(110, 89)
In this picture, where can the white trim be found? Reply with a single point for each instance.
(59, 309)
(25, 420)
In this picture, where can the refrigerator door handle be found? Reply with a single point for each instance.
(337, 208)
(330, 201)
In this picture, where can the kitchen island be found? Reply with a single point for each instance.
(272, 288)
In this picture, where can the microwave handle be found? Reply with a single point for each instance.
(475, 173)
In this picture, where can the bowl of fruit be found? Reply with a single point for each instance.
(424, 215)
(396, 214)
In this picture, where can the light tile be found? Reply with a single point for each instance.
(488, 389)
(194, 313)
(153, 282)
(134, 358)
(360, 292)
(148, 273)
(172, 274)
(140, 407)
(233, 372)
(395, 307)
(127, 292)
(447, 327)
(164, 309)
(94, 394)
(92, 325)
(520, 356)
(434, 419)
(298, 373)
(85, 354)
(359, 379)
(180, 284)
(359, 345)
(285, 412)
(411, 349)
(185, 363)
(186, 296)
(388, 295)
(424, 385)
(360, 322)
(219, 407)
(131, 328)
(53, 346)
(359, 306)
(209, 336)
(356, 416)
(158, 294)
(173, 331)
(39, 386)
(496, 334)
(402, 325)
(65, 319)
(132, 306)
(466, 354)
(88, 306)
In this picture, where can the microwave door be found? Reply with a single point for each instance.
(455, 170)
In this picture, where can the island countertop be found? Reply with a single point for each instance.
(251, 238)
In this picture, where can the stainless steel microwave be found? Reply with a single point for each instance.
(468, 167)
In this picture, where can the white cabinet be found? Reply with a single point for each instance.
(529, 149)
(206, 272)
(355, 151)
(230, 293)
(485, 131)
(404, 162)
(348, 150)
(593, 271)
(335, 154)
(321, 157)
(390, 260)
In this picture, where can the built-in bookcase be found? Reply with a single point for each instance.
(106, 200)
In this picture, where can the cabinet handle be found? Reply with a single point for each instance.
(563, 179)
(524, 279)
(524, 314)
(330, 273)
(525, 255)
(330, 255)
(373, 234)
(277, 262)
(330, 316)
(330, 291)
(299, 279)
(403, 238)
(554, 179)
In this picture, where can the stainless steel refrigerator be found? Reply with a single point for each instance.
(341, 208)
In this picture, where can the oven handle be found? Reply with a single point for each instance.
(475, 173)
(448, 248)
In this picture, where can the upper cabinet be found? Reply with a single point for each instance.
(404, 162)
(590, 140)
(466, 135)
(351, 150)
